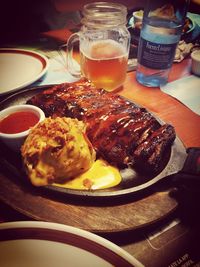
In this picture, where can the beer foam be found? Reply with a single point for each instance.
(104, 49)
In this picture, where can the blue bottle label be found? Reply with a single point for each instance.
(156, 55)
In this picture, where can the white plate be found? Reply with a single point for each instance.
(19, 68)
(33, 243)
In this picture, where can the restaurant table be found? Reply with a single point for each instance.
(168, 241)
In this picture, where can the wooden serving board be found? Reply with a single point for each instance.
(104, 216)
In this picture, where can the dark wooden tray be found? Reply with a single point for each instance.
(113, 215)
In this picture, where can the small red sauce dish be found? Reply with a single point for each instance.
(15, 124)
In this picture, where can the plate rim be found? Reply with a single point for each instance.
(52, 227)
(42, 58)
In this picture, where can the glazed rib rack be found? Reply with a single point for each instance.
(121, 132)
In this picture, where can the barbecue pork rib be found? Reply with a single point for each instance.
(120, 131)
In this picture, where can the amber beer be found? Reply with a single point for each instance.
(104, 63)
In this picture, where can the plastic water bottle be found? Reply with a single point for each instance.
(161, 31)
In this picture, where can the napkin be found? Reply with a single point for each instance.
(186, 90)
(57, 72)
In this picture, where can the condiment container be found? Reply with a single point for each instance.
(15, 124)
(138, 16)
(196, 62)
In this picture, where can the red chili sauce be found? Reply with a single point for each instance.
(18, 122)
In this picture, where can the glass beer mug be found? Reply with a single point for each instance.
(104, 43)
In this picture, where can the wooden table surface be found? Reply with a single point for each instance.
(186, 123)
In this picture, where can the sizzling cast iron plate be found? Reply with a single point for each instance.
(132, 182)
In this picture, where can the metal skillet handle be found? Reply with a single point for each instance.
(190, 174)
(188, 179)
(187, 182)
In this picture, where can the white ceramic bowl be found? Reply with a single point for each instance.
(15, 140)
(196, 62)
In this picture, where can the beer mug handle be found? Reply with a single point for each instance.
(72, 65)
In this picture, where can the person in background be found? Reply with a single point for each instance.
(24, 20)
(62, 13)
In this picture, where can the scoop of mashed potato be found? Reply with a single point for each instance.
(57, 150)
